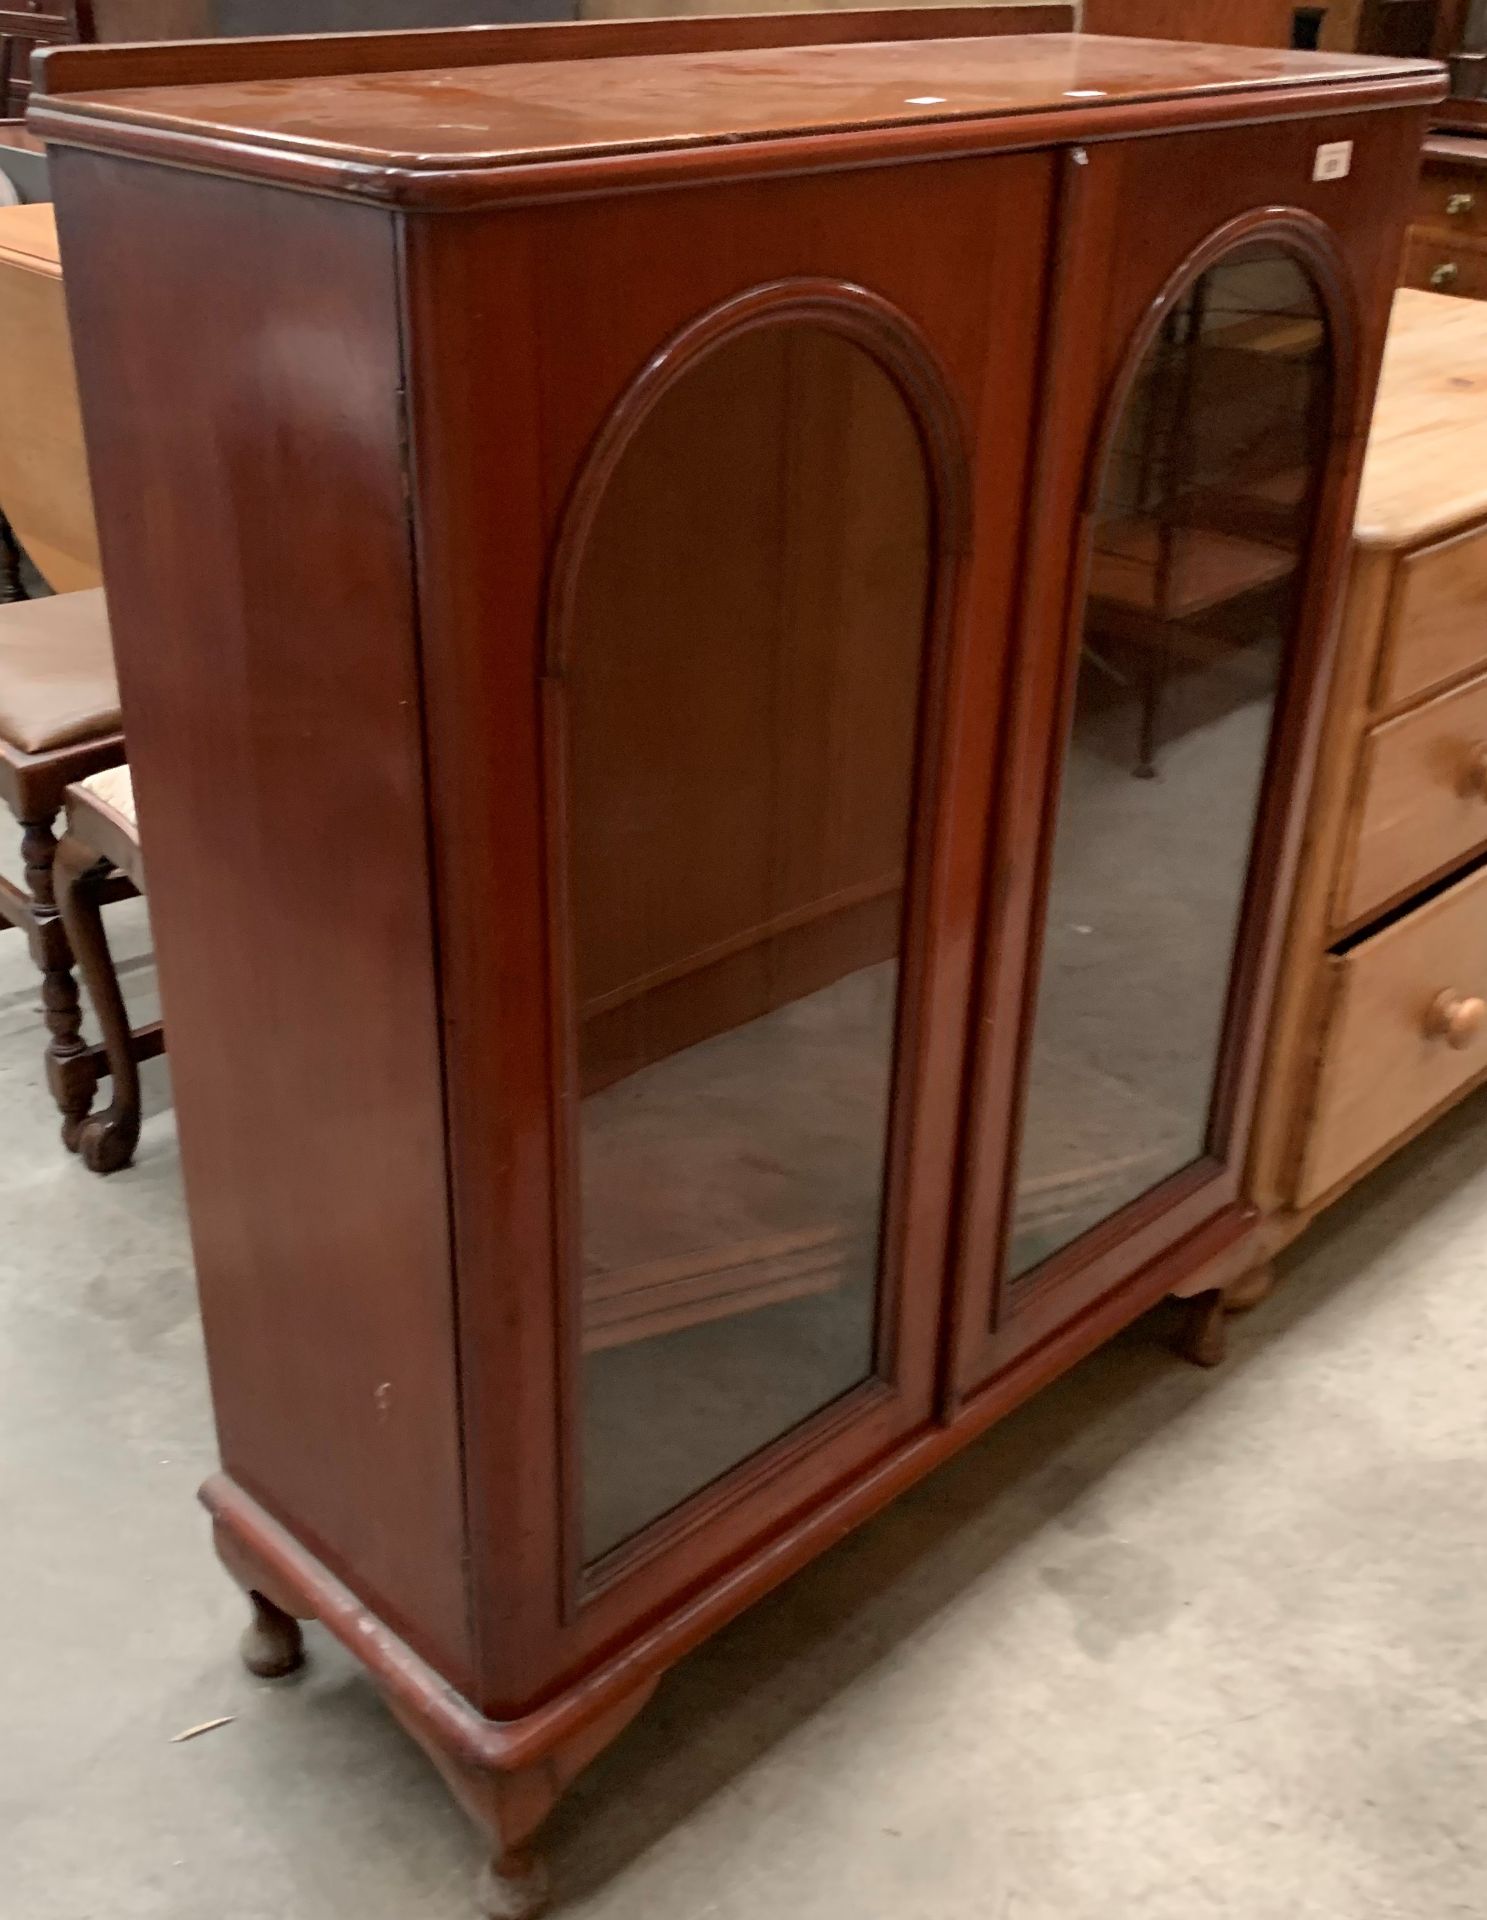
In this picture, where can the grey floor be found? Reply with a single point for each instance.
(1165, 1644)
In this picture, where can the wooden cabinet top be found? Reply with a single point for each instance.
(1425, 474)
(452, 132)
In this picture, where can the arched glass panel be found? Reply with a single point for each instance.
(1199, 540)
(742, 682)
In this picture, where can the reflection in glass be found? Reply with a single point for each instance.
(742, 686)
(1199, 538)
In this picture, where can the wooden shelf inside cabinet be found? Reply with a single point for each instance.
(1286, 335)
(637, 1303)
(1179, 572)
(617, 1164)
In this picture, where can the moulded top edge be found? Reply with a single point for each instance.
(484, 119)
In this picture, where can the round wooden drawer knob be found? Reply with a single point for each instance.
(1474, 775)
(1455, 1017)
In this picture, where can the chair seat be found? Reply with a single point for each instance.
(101, 814)
(57, 683)
(113, 790)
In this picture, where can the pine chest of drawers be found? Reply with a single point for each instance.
(1384, 1004)
(1447, 249)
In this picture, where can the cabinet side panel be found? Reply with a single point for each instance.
(239, 363)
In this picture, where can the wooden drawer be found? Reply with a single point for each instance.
(1384, 1065)
(1440, 264)
(1424, 801)
(1437, 623)
(1452, 200)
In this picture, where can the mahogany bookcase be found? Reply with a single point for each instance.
(721, 647)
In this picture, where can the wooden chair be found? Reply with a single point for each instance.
(59, 701)
(102, 845)
(59, 721)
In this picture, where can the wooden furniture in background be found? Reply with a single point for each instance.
(24, 29)
(1407, 27)
(1379, 1026)
(59, 720)
(43, 473)
(1434, 27)
(1447, 250)
(1447, 247)
(1460, 39)
(695, 768)
(1338, 27)
(59, 700)
(1232, 23)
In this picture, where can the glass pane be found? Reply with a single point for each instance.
(1198, 543)
(742, 686)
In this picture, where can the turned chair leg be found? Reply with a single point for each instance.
(107, 1139)
(70, 1071)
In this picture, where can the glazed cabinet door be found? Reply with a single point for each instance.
(743, 666)
(768, 652)
(1201, 477)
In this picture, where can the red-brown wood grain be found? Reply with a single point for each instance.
(1120, 263)
(522, 129)
(340, 567)
(937, 245)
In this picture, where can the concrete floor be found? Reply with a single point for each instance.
(1165, 1644)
